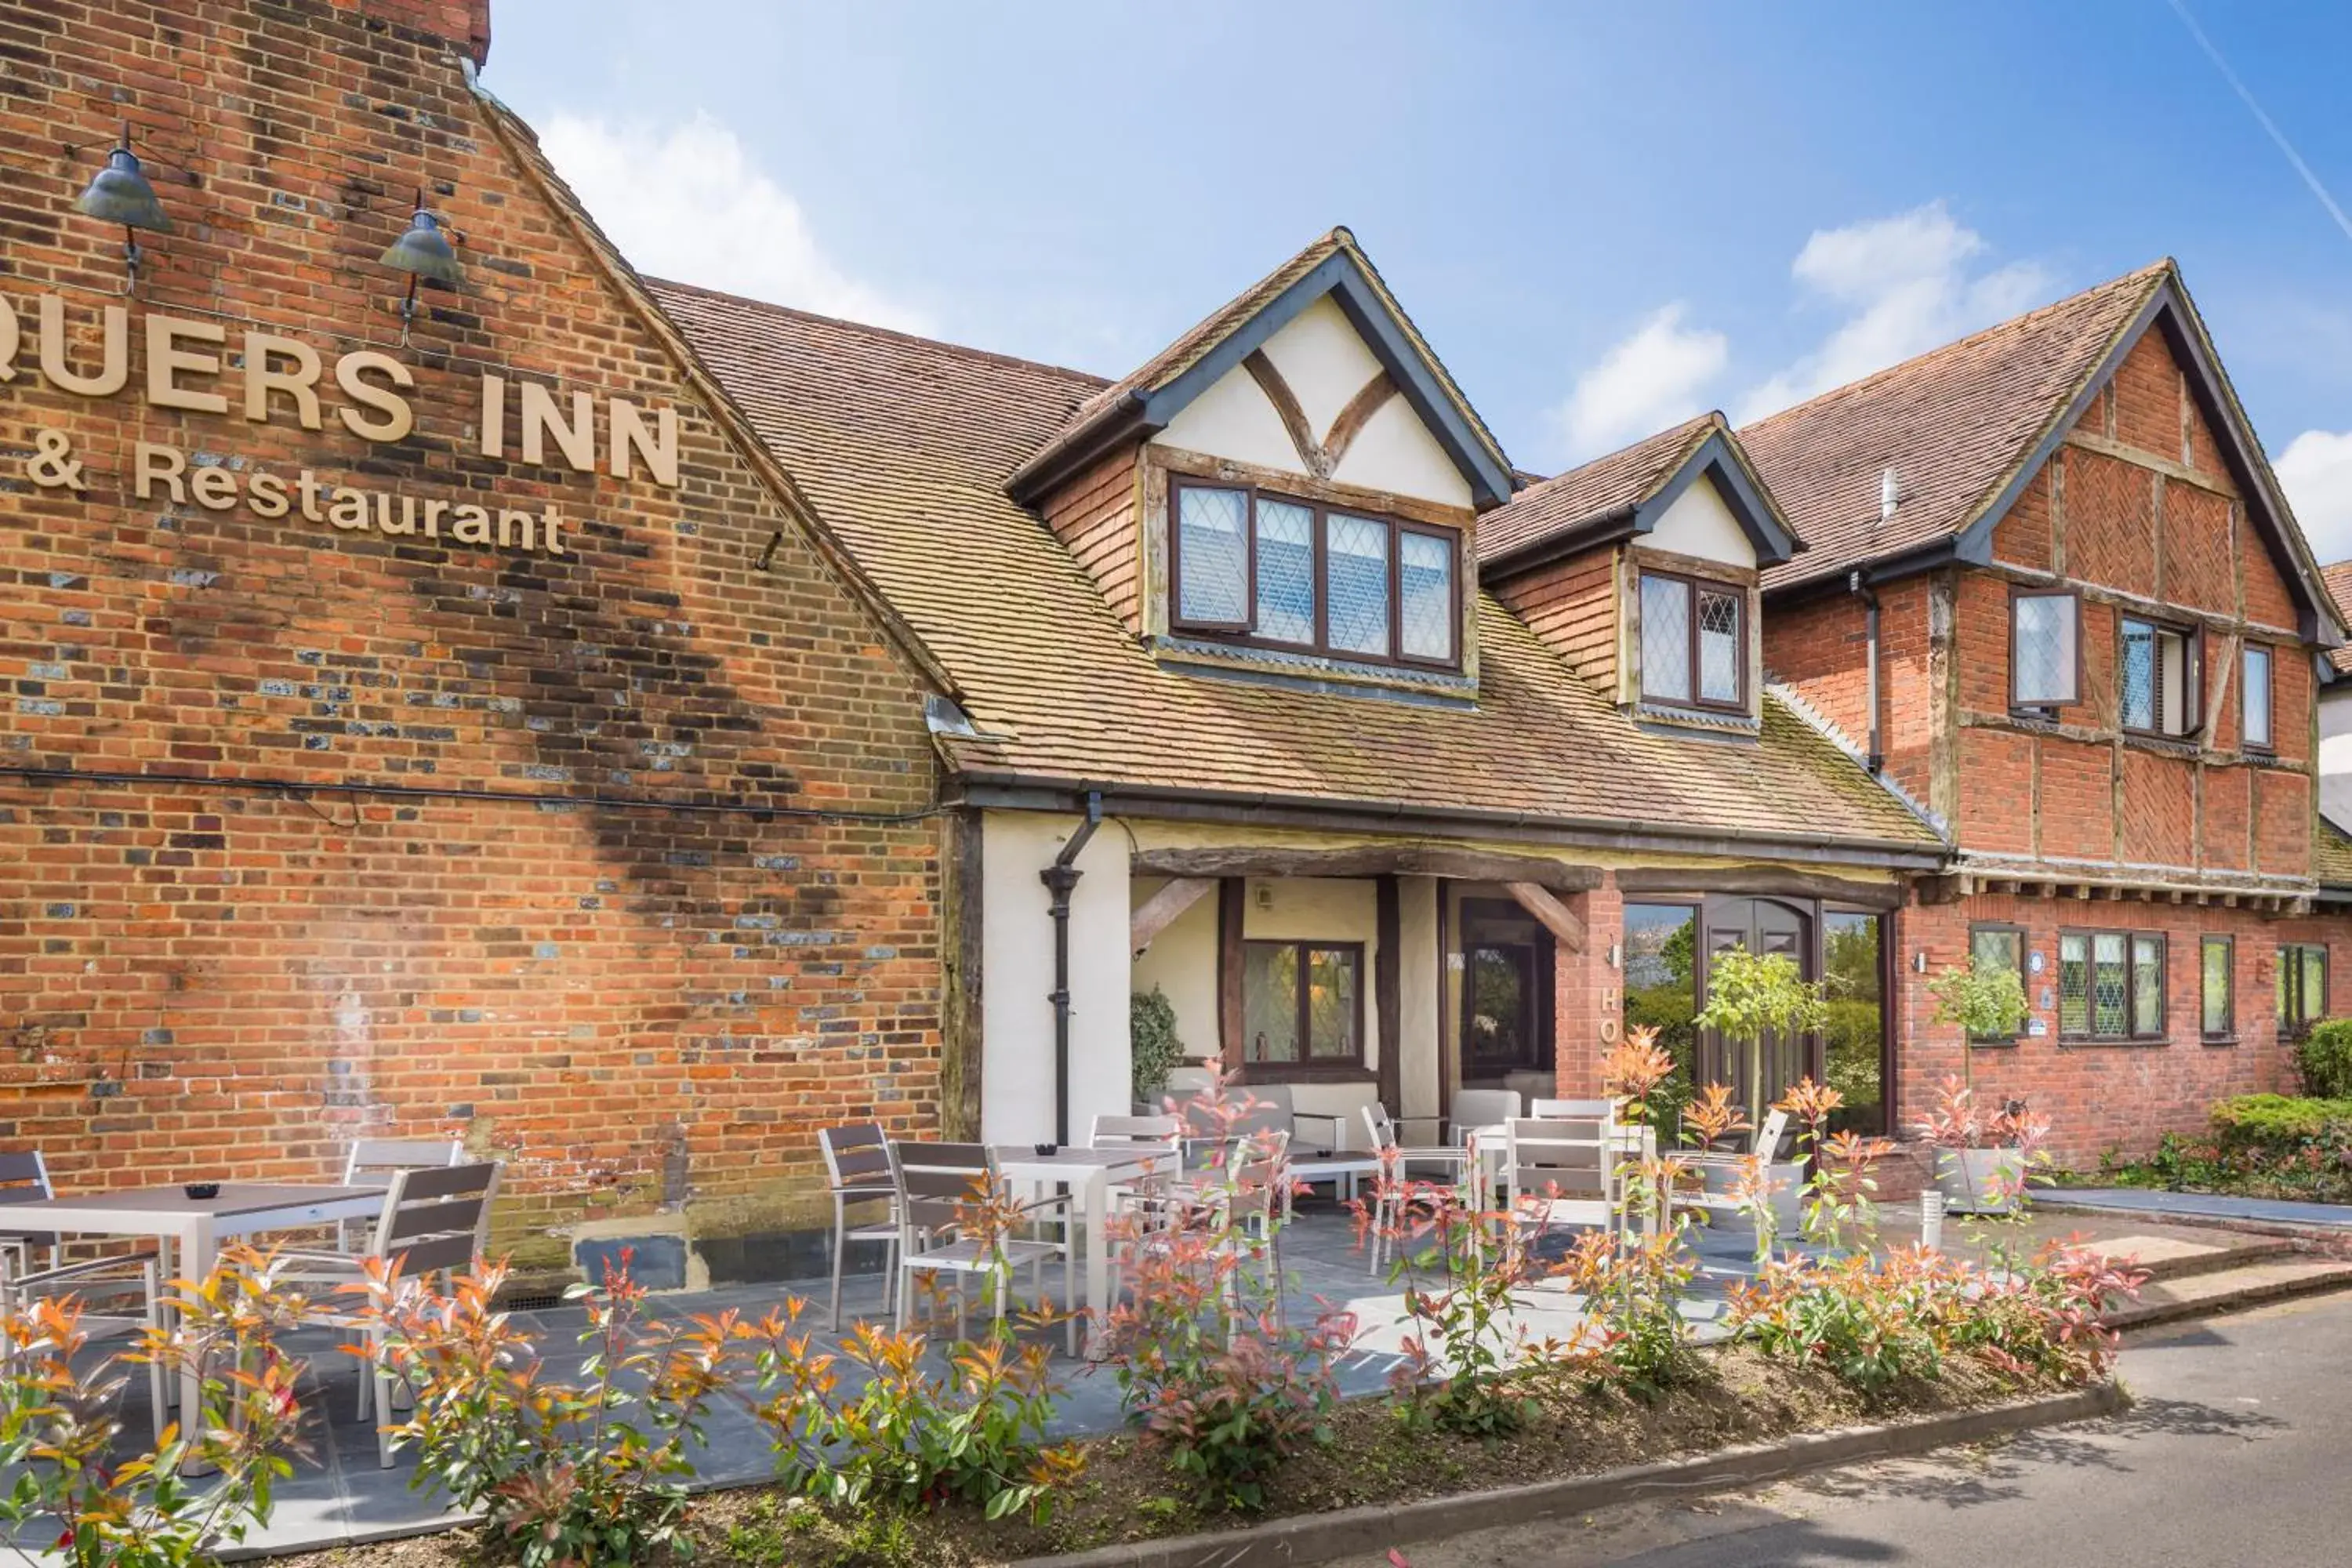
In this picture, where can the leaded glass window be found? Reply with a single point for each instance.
(1718, 647)
(2074, 985)
(2110, 986)
(1212, 553)
(1356, 565)
(1302, 1003)
(2257, 700)
(1665, 639)
(1285, 571)
(2158, 679)
(1997, 947)
(2301, 988)
(2148, 985)
(2043, 656)
(1291, 574)
(1425, 580)
(2217, 1018)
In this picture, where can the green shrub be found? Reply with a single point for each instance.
(2324, 1059)
(2281, 1123)
(1153, 1050)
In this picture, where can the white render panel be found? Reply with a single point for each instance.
(1016, 1074)
(1699, 525)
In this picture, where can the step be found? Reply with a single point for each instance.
(2177, 1257)
(2205, 1295)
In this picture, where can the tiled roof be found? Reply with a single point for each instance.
(1605, 486)
(1101, 406)
(903, 448)
(2339, 578)
(1956, 424)
(2331, 855)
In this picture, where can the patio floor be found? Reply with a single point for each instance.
(338, 1494)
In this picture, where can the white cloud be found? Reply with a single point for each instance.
(687, 202)
(1649, 380)
(1906, 284)
(2316, 470)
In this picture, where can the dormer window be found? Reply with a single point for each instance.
(1694, 642)
(1272, 571)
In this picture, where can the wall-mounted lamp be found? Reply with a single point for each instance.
(1616, 956)
(1919, 962)
(424, 253)
(119, 193)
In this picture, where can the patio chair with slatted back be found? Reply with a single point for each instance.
(434, 1222)
(1477, 1108)
(372, 1160)
(1561, 1109)
(939, 1188)
(1562, 1172)
(1389, 1195)
(24, 1179)
(858, 1169)
(1239, 1198)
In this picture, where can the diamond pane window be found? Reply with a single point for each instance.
(2140, 676)
(1356, 551)
(2074, 985)
(2220, 1016)
(2148, 985)
(1285, 571)
(1331, 1008)
(1665, 639)
(1425, 577)
(2110, 996)
(1213, 550)
(2257, 700)
(2043, 658)
(1719, 647)
(1269, 1002)
(1997, 947)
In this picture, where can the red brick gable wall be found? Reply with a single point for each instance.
(1818, 649)
(1573, 605)
(551, 918)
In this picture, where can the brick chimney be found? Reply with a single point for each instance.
(465, 23)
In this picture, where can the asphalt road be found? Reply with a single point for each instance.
(2239, 1450)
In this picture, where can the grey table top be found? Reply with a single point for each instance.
(233, 1198)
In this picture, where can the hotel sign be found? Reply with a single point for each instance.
(201, 367)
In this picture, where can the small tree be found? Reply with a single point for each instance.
(1153, 1050)
(1751, 995)
(1987, 1004)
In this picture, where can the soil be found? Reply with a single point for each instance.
(1126, 1493)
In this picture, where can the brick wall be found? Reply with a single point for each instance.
(1818, 647)
(547, 915)
(1587, 992)
(2104, 1097)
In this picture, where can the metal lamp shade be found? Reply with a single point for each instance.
(423, 251)
(120, 194)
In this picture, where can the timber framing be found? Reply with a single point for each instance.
(1378, 860)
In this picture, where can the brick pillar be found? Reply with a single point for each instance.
(1588, 992)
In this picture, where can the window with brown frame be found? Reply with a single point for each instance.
(1275, 571)
(2110, 986)
(1694, 642)
(1991, 946)
(2217, 988)
(2254, 699)
(2157, 667)
(2301, 988)
(2045, 650)
(1302, 1003)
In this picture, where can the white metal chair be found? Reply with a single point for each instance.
(436, 1221)
(1388, 1206)
(24, 1179)
(1477, 1108)
(1560, 1109)
(938, 1185)
(858, 1169)
(376, 1159)
(1241, 1196)
(1562, 1172)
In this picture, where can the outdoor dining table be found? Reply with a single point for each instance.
(1089, 1174)
(196, 1227)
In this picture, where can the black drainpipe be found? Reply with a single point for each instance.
(1855, 586)
(1060, 878)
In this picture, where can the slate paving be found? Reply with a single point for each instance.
(2209, 1206)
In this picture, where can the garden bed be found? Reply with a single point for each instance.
(1125, 1493)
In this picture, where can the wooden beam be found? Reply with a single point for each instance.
(1232, 911)
(959, 1009)
(1766, 881)
(1551, 913)
(1159, 911)
(1371, 861)
(1388, 989)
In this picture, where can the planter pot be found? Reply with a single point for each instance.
(1969, 1177)
(1785, 1180)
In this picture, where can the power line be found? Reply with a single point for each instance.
(2181, 9)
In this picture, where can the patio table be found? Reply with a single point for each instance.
(1088, 1173)
(197, 1226)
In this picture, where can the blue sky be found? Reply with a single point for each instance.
(1605, 217)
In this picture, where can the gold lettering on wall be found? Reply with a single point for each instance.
(261, 378)
(167, 360)
(658, 448)
(114, 350)
(575, 437)
(397, 419)
(12, 337)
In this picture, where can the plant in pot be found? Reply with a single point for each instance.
(1750, 997)
(1153, 1051)
(1980, 1162)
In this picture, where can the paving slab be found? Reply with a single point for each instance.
(2208, 1206)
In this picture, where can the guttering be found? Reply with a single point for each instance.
(1125, 420)
(1604, 527)
(1061, 879)
(983, 789)
(1859, 588)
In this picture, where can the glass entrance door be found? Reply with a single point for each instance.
(1759, 925)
